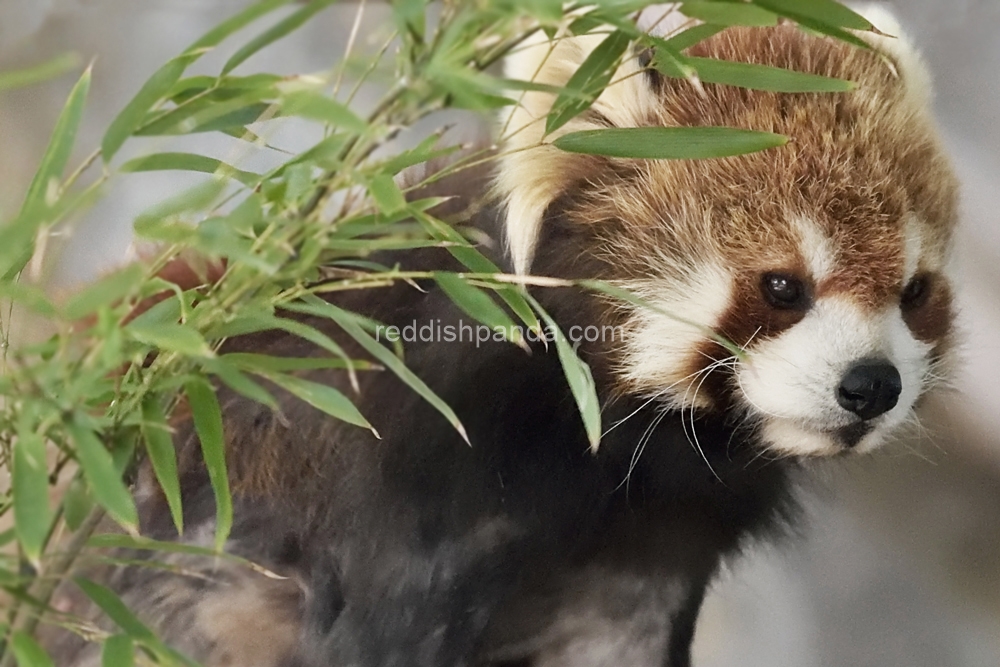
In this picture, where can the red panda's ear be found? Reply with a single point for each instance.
(899, 49)
(533, 173)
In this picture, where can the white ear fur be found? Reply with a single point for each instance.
(534, 173)
(910, 66)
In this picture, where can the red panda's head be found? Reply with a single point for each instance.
(824, 260)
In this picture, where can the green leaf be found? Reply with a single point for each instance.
(116, 610)
(349, 323)
(321, 397)
(29, 296)
(118, 651)
(123, 617)
(160, 448)
(189, 162)
(729, 13)
(589, 80)
(207, 417)
(208, 115)
(411, 16)
(671, 143)
(32, 514)
(49, 174)
(192, 199)
(171, 337)
(107, 290)
(580, 379)
(476, 262)
(105, 483)
(477, 303)
(28, 652)
(314, 106)
(824, 12)
(44, 191)
(132, 116)
(266, 363)
(233, 378)
(763, 77)
(119, 541)
(273, 34)
(48, 70)
(158, 87)
(77, 503)
(235, 23)
(693, 35)
(387, 194)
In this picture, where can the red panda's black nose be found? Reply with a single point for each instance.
(870, 388)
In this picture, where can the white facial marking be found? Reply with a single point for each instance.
(816, 248)
(913, 245)
(658, 347)
(791, 381)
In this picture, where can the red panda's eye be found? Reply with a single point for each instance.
(915, 293)
(784, 291)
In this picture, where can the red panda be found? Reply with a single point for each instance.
(824, 261)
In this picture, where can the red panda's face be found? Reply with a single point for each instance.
(823, 263)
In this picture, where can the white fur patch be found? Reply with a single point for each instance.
(895, 44)
(791, 381)
(658, 347)
(816, 248)
(533, 173)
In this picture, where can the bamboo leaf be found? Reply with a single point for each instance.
(207, 417)
(235, 23)
(693, 35)
(30, 483)
(477, 303)
(349, 323)
(31, 75)
(476, 262)
(670, 143)
(387, 194)
(314, 106)
(321, 397)
(106, 291)
(171, 337)
(580, 379)
(273, 34)
(189, 162)
(119, 541)
(77, 503)
(39, 205)
(118, 651)
(116, 610)
(729, 13)
(266, 363)
(28, 652)
(158, 87)
(105, 483)
(49, 174)
(232, 377)
(825, 12)
(589, 80)
(132, 116)
(763, 77)
(163, 457)
(123, 617)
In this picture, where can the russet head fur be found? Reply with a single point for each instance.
(854, 215)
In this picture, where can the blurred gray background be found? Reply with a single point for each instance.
(899, 564)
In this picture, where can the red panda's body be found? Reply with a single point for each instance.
(824, 260)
